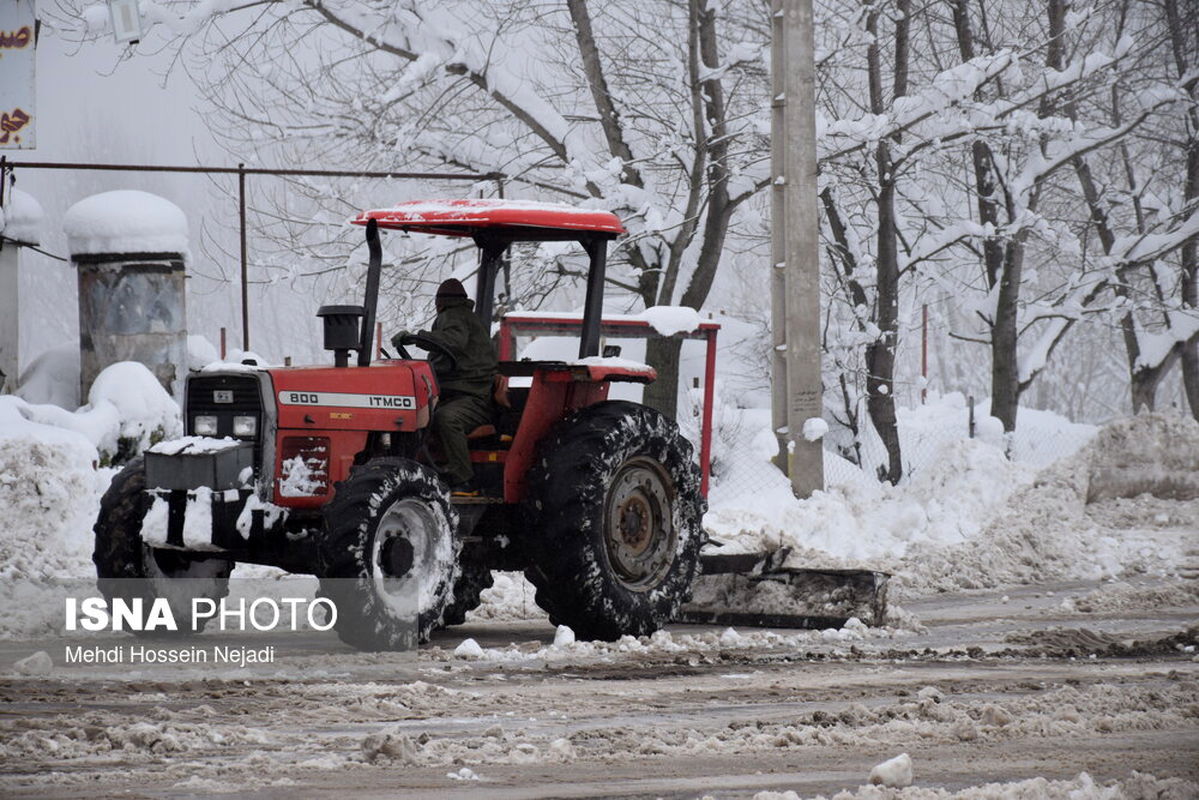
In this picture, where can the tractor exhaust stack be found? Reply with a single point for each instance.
(371, 302)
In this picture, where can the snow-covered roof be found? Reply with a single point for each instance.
(125, 221)
(527, 218)
(21, 218)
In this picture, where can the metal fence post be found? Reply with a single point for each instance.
(245, 280)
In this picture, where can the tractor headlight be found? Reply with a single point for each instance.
(204, 426)
(245, 426)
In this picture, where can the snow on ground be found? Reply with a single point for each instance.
(1084, 787)
(566, 648)
(618, 718)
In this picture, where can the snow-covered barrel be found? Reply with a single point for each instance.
(20, 224)
(129, 248)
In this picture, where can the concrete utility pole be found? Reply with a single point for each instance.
(795, 275)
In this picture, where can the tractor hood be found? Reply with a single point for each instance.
(389, 395)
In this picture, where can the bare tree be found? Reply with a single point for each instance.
(644, 109)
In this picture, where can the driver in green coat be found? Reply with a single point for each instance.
(465, 397)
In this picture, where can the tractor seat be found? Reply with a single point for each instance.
(500, 400)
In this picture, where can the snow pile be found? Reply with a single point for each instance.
(945, 504)
(125, 221)
(49, 483)
(1121, 595)
(894, 772)
(972, 518)
(146, 412)
(469, 648)
(127, 411)
(509, 598)
(21, 218)
(1154, 454)
(1047, 530)
(564, 636)
(49, 493)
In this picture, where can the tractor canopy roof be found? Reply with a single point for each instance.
(507, 220)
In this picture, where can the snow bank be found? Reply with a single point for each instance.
(1154, 454)
(50, 490)
(50, 486)
(125, 221)
(1055, 528)
(49, 496)
(865, 520)
(969, 517)
(52, 377)
(127, 411)
(22, 217)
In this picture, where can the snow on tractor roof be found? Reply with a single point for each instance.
(513, 219)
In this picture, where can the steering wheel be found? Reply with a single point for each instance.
(429, 345)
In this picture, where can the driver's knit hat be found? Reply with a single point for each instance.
(451, 287)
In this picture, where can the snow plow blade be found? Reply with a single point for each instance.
(756, 590)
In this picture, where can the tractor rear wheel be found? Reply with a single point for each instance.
(468, 591)
(128, 568)
(615, 503)
(388, 557)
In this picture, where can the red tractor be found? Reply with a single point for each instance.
(327, 470)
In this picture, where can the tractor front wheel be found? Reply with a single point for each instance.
(128, 568)
(615, 503)
(388, 557)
